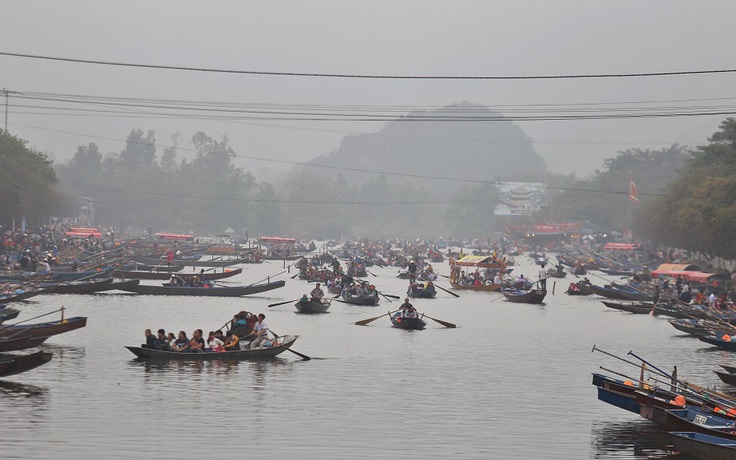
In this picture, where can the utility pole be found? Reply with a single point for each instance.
(6, 93)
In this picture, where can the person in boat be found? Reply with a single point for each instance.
(497, 279)
(171, 339)
(429, 286)
(317, 294)
(162, 340)
(182, 343)
(195, 281)
(335, 265)
(197, 342)
(213, 343)
(700, 297)
(232, 342)
(687, 295)
(560, 268)
(369, 291)
(405, 306)
(261, 332)
(585, 281)
(304, 298)
(412, 267)
(573, 287)
(543, 278)
(151, 341)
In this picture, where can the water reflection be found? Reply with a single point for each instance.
(22, 390)
(638, 439)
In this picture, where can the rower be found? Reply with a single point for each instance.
(317, 294)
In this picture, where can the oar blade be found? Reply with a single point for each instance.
(302, 355)
(281, 303)
(369, 320)
(444, 323)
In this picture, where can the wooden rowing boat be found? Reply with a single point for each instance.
(77, 287)
(239, 355)
(415, 323)
(535, 296)
(43, 329)
(21, 343)
(718, 341)
(312, 306)
(471, 287)
(148, 275)
(703, 446)
(11, 365)
(217, 291)
(8, 313)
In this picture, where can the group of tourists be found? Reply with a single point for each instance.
(189, 280)
(247, 332)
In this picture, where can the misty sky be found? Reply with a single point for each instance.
(397, 37)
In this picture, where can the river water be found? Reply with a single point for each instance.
(512, 381)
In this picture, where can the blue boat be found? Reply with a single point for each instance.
(619, 399)
(718, 341)
(703, 446)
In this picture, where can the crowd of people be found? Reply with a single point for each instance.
(247, 332)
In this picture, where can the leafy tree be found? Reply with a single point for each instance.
(698, 208)
(27, 182)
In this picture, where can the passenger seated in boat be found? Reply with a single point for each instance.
(151, 341)
(232, 342)
(261, 332)
(304, 298)
(497, 279)
(182, 343)
(573, 287)
(197, 342)
(163, 341)
(405, 306)
(214, 343)
(429, 286)
(171, 339)
(195, 281)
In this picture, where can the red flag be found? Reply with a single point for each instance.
(633, 195)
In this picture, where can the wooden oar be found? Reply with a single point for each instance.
(449, 292)
(364, 322)
(303, 356)
(281, 303)
(444, 323)
(371, 273)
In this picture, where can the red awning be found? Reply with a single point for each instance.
(84, 235)
(174, 236)
(277, 239)
(83, 230)
(695, 276)
(620, 247)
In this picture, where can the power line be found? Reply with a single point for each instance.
(380, 77)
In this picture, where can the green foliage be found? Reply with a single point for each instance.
(604, 198)
(698, 208)
(27, 182)
(208, 193)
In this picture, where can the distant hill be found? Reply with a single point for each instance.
(463, 150)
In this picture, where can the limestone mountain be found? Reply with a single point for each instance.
(465, 142)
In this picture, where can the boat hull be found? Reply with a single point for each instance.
(311, 306)
(534, 296)
(258, 354)
(235, 291)
(11, 365)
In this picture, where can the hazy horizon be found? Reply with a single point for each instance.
(427, 38)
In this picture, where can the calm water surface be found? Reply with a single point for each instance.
(511, 382)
